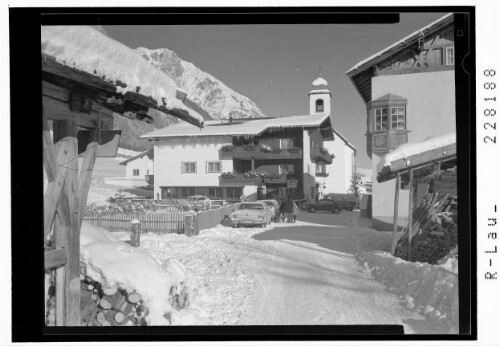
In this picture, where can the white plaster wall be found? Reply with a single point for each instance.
(430, 111)
(170, 153)
(142, 164)
(340, 170)
(327, 103)
(308, 167)
(430, 98)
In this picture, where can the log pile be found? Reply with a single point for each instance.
(434, 230)
(115, 306)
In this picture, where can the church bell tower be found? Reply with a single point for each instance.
(320, 97)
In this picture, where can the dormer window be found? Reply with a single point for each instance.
(319, 106)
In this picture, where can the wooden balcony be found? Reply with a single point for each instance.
(276, 179)
(383, 142)
(257, 154)
(318, 154)
(239, 179)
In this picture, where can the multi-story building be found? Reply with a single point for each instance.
(140, 167)
(257, 158)
(409, 92)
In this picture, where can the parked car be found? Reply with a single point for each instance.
(345, 201)
(324, 205)
(198, 202)
(217, 204)
(273, 205)
(251, 213)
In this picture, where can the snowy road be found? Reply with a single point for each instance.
(284, 275)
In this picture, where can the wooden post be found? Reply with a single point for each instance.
(65, 132)
(135, 233)
(409, 227)
(395, 213)
(85, 178)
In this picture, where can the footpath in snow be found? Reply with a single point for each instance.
(287, 274)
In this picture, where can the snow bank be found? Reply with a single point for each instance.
(88, 50)
(112, 262)
(409, 149)
(429, 289)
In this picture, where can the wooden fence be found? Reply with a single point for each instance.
(186, 222)
(150, 222)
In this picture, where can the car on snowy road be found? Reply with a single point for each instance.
(324, 205)
(251, 213)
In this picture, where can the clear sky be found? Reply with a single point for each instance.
(274, 65)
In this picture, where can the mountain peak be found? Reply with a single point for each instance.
(216, 98)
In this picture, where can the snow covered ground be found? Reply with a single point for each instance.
(249, 276)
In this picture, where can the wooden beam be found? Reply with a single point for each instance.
(66, 133)
(395, 213)
(85, 178)
(55, 258)
(57, 167)
(60, 110)
(49, 160)
(411, 202)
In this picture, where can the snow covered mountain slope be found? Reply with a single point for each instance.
(202, 88)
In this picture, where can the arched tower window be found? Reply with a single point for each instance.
(319, 105)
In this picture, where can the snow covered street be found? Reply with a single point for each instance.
(273, 276)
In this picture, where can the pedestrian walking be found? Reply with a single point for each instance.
(287, 208)
(295, 211)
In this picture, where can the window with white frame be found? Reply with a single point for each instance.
(286, 169)
(214, 167)
(189, 167)
(381, 119)
(287, 143)
(449, 56)
(320, 168)
(136, 173)
(397, 119)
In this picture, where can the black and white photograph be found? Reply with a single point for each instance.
(281, 173)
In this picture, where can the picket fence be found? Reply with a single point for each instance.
(163, 222)
(150, 222)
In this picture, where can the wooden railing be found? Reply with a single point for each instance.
(239, 179)
(320, 155)
(245, 154)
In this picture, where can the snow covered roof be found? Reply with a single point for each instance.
(83, 48)
(389, 50)
(415, 154)
(239, 127)
(149, 153)
(319, 91)
(347, 142)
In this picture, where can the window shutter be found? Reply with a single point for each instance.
(221, 166)
(182, 167)
(206, 166)
(195, 167)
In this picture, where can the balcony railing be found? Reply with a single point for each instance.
(256, 152)
(239, 179)
(319, 154)
(322, 174)
(276, 179)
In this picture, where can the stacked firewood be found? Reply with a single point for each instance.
(109, 306)
(114, 306)
(434, 230)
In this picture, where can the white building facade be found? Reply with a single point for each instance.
(335, 178)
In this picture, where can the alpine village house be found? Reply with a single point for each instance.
(266, 158)
(409, 92)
